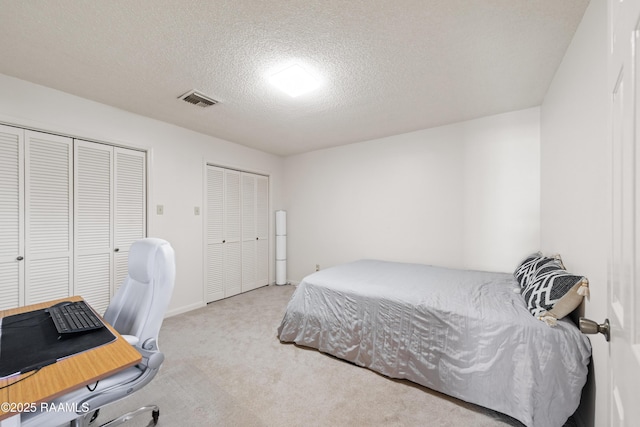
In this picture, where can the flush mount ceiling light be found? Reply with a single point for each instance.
(294, 81)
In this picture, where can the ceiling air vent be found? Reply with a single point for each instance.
(196, 98)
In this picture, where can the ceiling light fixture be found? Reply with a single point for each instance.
(294, 81)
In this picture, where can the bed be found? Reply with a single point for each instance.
(464, 333)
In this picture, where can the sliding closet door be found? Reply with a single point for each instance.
(93, 190)
(48, 217)
(11, 217)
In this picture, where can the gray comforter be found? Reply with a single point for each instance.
(463, 333)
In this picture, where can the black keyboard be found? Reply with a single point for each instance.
(72, 317)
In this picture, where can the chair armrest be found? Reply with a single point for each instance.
(131, 339)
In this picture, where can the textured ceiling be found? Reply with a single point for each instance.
(386, 66)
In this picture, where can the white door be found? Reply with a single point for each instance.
(223, 268)
(110, 214)
(48, 217)
(11, 217)
(36, 214)
(624, 266)
(130, 207)
(249, 259)
(255, 231)
(214, 271)
(262, 230)
(93, 191)
(232, 238)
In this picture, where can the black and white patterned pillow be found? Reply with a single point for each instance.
(527, 268)
(550, 283)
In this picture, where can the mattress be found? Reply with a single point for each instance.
(464, 333)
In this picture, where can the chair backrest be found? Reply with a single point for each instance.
(139, 306)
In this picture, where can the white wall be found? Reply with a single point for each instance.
(575, 186)
(464, 195)
(501, 190)
(176, 177)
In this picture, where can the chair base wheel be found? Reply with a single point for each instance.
(155, 414)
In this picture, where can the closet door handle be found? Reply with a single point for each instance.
(20, 258)
(116, 250)
(224, 241)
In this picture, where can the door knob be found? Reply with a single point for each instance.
(590, 327)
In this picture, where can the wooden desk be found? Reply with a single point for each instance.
(68, 374)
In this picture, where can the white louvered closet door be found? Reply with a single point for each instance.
(224, 269)
(130, 211)
(11, 217)
(93, 191)
(262, 230)
(255, 231)
(110, 214)
(215, 234)
(232, 234)
(48, 217)
(248, 232)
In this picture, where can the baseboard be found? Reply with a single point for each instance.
(195, 306)
(184, 309)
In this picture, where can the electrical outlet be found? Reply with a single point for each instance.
(160, 209)
(317, 267)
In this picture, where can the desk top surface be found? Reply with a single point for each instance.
(65, 375)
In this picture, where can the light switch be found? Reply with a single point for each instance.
(160, 209)
(196, 210)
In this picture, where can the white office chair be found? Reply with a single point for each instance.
(136, 312)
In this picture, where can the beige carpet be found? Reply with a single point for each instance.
(225, 367)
